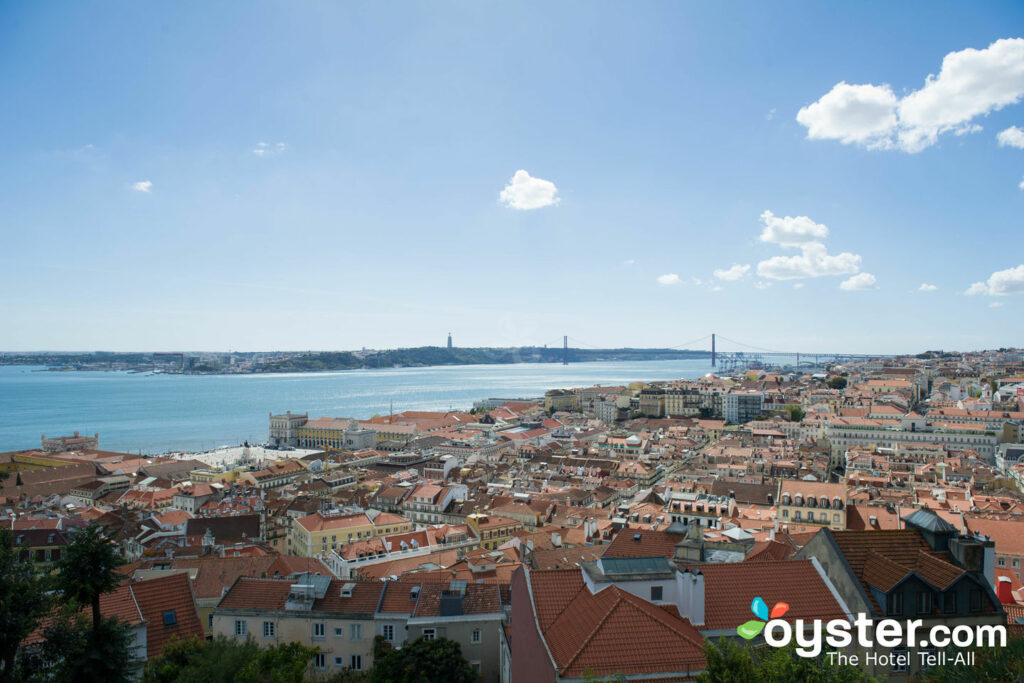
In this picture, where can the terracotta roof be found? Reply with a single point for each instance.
(651, 544)
(611, 631)
(730, 587)
(272, 594)
(157, 598)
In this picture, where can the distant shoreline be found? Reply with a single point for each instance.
(255, 363)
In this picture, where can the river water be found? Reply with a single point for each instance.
(158, 413)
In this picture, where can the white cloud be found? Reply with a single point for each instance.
(770, 115)
(970, 83)
(862, 114)
(669, 279)
(858, 282)
(813, 261)
(925, 287)
(761, 284)
(263, 149)
(628, 262)
(736, 272)
(996, 304)
(1000, 283)
(791, 231)
(1011, 137)
(142, 186)
(798, 285)
(526, 192)
(1021, 186)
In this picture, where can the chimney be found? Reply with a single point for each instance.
(556, 539)
(691, 596)
(1004, 590)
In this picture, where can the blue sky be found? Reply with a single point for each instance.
(139, 210)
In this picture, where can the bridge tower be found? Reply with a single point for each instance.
(565, 350)
(712, 349)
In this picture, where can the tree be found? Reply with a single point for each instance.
(796, 413)
(197, 661)
(837, 382)
(285, 663)
(23, 600)
(990, 664)
(424, 661)
(79, 650)
(730, 663)
(86, 571)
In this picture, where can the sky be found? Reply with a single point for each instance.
(310, 175)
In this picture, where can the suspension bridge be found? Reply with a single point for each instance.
(738, 355)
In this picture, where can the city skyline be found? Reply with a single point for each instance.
(304, 177)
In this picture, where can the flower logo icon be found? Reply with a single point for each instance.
(753, 627)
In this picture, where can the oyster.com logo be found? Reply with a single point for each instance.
(752, 628)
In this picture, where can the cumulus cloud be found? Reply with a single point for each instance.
(798, 285)
(1000, 283)
(736, 272)
(791, 231)
(995, 304)
(1011, 137)
(813, 261)
(761, 284)
(1021, 186)
(143, 186)
(263, 149)
(862, 114)
(858, 282)
(925, 287)
(669, 279)
(970, 83)
(525, 192)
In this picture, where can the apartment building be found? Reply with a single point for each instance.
(317, 533)
(812, 502)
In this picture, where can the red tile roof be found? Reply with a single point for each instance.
(730, 587)
(651, 544)
(157, 597)
(610, 632)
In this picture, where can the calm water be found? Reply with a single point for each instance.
(158, 413)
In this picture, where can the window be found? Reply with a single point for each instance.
(388, 631)
(320, 661)
(318, 630)
(268, 629)
(924, 602)
(900, 659)
(949, 603)
(356, 632)
(476, 635)
(835, 518)
(894, 604)
(338, 661)
(209, 620)
(785, 514)
(1001, 561)
(240, 628)
(170, 618)
(357, 663)
(339, 632)
(796, 516)
(429, 633)
(975, 600)
(656, 592)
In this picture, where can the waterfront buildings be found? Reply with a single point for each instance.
(651, 514)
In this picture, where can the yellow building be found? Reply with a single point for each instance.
(317, 533)
(492, 529)
(816, 503)
(559, 399)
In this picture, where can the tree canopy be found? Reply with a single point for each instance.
(424, 661)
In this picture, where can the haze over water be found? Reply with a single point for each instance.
(159, 413)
